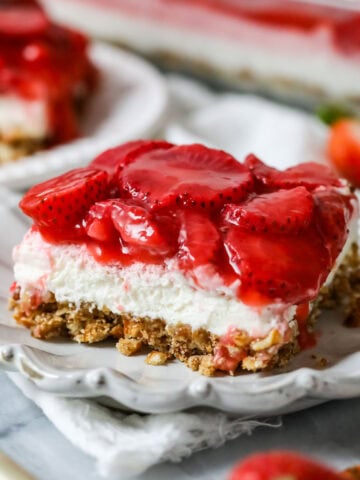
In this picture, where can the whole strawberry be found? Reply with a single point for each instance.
(344, 149)
(281, 465)
(352, 473)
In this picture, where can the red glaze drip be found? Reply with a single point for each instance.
(306, 338)
(43, 61)
(228, 354)
(241, 237)
(13, 288)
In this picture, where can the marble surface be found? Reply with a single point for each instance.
(329, 432)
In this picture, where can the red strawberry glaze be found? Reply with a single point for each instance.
(143, 222)
(13, 287)
(227, 355)
(137, 227)
(43, 61)
(306, 338)
(98, 223)
(199, 240)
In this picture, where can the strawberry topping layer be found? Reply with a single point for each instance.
(276, 235)
(40, 60)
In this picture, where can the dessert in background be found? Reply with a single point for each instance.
(344, 149)
(220, 264)
(45, 78)
(299, 50)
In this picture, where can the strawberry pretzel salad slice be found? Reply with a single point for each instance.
(188, 253)
(46, 78)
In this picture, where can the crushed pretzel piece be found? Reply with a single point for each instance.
(273, 338)
(157, 358)
(207, 366)
(129, 346)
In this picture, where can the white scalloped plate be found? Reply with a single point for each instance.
(131, 102)
(70, 369)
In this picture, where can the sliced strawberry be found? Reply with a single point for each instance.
(114, 159)
(344, 149)
(290, 269)
(22, 18)
(98, 222)
(138, 227)
(188, 176)
(64, 200)
(333, 212)
(262, 172)
(199, 239)
(281, 465)
(284, 211)
(309, 175)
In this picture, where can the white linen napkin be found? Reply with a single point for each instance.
(242, 124)
(126, 444)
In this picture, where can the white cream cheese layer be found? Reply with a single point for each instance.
(143, 290)
(22, 119)
(232, 46)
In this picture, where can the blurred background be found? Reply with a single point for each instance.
(306, 52)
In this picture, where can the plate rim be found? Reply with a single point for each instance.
(288, 392)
